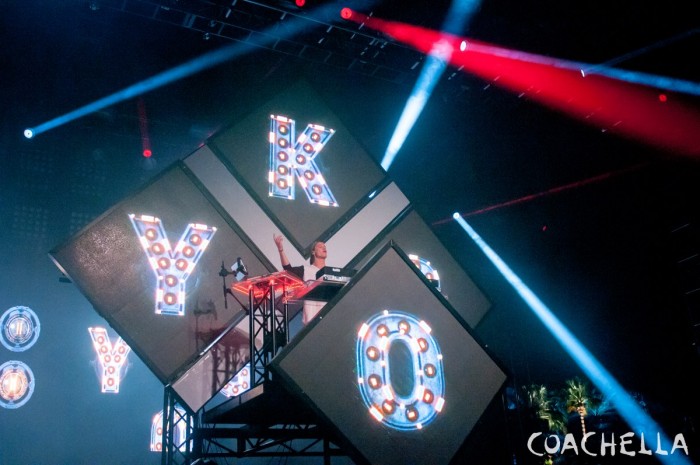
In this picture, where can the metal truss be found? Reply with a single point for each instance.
(273, 441)
(266, 24)
(268, 333)
(178, 430)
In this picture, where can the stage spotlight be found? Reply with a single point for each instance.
(29, 133)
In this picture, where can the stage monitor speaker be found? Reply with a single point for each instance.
(152, 267)
(392, 367)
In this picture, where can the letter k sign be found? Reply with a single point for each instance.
(291, 157)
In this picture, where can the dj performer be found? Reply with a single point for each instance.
(307, 273)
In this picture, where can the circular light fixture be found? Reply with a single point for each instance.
(19, 328)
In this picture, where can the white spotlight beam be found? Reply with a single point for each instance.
(460, 12)
(626, 406)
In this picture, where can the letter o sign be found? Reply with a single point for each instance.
(400, 370)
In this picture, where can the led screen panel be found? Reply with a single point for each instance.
(266, 150)
(416, 238)
(151, 267)
(392, 367)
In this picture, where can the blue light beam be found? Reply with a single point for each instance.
(460, 12)
(196, 65)
(626, 406)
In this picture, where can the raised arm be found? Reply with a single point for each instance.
(279, 241)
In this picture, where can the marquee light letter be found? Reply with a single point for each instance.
(427, 269)
(172, 267)
(290, 156)
(239, 384)
(112, 358)
(400, 371)
(180, 431)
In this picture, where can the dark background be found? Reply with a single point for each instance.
(603, 256)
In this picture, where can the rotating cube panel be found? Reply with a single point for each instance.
(294, 141)
(116, 263)
(392, 366)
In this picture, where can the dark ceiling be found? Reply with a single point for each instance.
(592, 233)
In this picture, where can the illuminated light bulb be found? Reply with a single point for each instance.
(374, 381)
(170, 298)
(411, 414)
(372, 353)
(283, 143)
(283, 156)
(388, 407)
(188, 251)
(346, 13)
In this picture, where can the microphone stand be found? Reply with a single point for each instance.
(223, 273)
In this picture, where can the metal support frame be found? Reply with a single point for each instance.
(268, 331)
(273, 441)
(178, 430)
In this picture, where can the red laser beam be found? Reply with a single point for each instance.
(554, 190)
(631, 110)
(143, 126)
